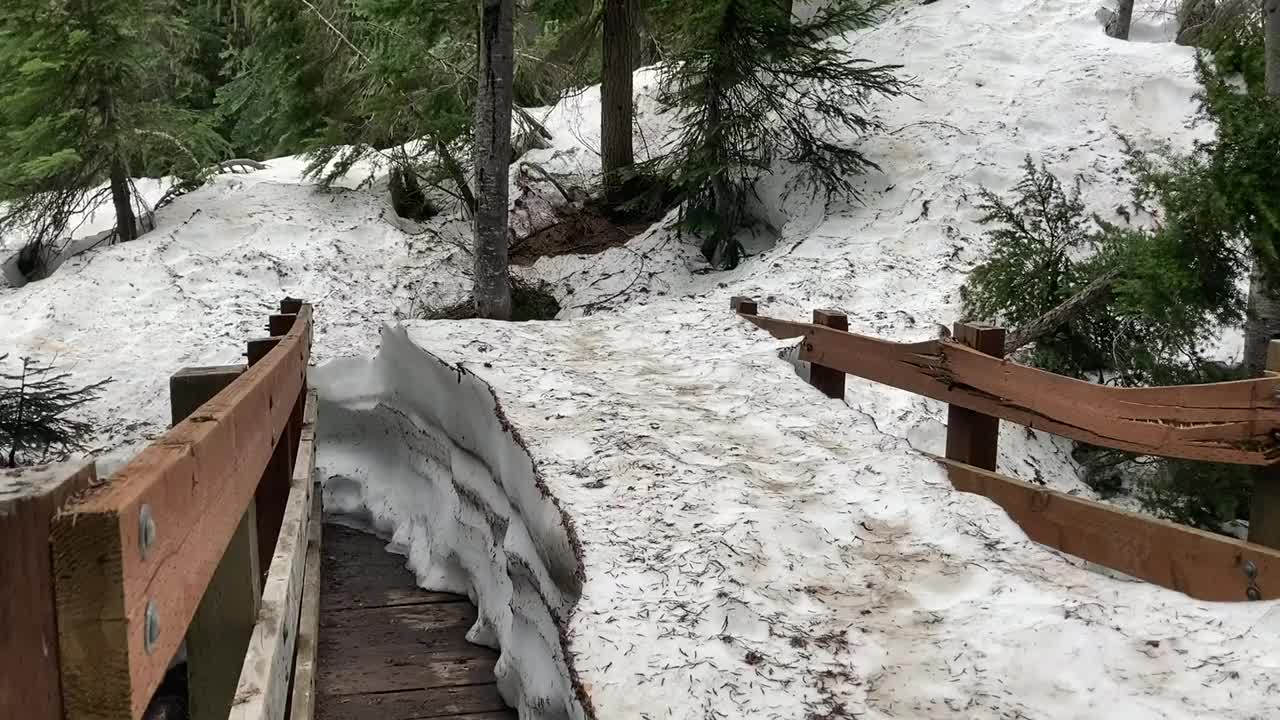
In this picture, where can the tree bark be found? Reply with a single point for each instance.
(126, 223)
(617, 153)
(492, 282)
(1019, 338)
(1271, 24)
(1263, 320)
(1119, 28)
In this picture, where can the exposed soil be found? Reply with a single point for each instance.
(585, 231)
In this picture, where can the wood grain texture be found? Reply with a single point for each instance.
(197, 481)
(359, 572)
(400, 659)
(1232, 422)
(1200, 564)
(829, 381)
(263, 691)
(303, 703)
(29, 498)
(224, 620)
(1264, 503)
(974, 438)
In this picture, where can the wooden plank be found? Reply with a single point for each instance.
(280, 323)
(828, 380)
(1200, 564)
(263, 691)
(359, 572)
(223, 621)
(196, 482)
(974, 438)
(29, 498)
(414, 704)
(356, 674)
(1222, 422)
(374, 625)
(302, 706)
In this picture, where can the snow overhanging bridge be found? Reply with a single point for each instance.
(1229, 422)
(206, 548)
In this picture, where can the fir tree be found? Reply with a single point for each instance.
(750, 88)
(89, 90)
(36, 404)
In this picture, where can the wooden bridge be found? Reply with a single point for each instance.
(203, 578)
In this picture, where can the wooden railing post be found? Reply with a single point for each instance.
(829, 380)
(219, 631)
(273, 489)
(29, 670)
(974, 438)
(743, 305)
(1264, 507)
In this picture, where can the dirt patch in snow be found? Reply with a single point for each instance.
(581, 231)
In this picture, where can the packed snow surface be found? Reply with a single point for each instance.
(747, 547)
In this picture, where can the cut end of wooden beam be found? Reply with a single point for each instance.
(831, 318)
(743, 305)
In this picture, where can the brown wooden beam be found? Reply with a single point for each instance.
(829, 380)
(1232, 422)
(126, 594)
(1200, 564)
(29, 672)
(972, 437)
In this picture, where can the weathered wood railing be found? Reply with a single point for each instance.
(1231, 422)
(203, 537)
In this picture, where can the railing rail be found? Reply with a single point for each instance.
(1231, 422)
(134, 556)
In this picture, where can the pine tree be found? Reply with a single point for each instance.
(89, 89)
(750, 88)
(35, 408)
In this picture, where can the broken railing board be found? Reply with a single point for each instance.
(195, 483)
(29, 498)
(263, 690)
(1200, 564)
(1231, 422)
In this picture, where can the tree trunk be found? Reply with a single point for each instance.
(1271, 24)
(616, 151)
(492, 288)
(126, 223)
(1119, 28)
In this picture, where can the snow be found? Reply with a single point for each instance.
(654, 514)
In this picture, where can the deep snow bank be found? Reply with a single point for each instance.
(747, 546)
(422, 451)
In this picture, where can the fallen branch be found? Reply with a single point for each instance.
(1019, 338)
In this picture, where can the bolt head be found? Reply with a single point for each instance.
(151, 627)
(146, 531)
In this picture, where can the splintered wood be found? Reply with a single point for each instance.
(1230, 422)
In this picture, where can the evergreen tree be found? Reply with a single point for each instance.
(89, 90)
(750, 88)
(35, 408)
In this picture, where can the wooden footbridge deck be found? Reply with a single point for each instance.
(201, 579)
